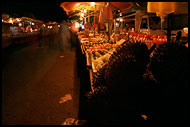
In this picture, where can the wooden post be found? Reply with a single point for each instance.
(108, 24)
(94, 19)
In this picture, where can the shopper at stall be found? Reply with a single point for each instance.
(178, 37)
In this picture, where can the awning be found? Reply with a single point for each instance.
(122, 6)
(69, 7)
(32, 20)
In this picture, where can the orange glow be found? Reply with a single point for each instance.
(10, 21)
(77, 25)
(20, 24)
(66, 98)
(121, 20)
(185, 30)
(144, 116)
(18, 19)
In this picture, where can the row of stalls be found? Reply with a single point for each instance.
(137, 72)
(105, 26)
(23, 28)
(135, 67)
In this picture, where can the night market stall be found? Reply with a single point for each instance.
(134, 64)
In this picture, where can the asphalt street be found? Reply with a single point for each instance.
(39, 86)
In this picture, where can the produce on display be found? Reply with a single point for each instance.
(127, 63)
(169, 62)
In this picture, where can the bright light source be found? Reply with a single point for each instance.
(117, 19)
(82, 27)
(80, 18)
(77, 25)
(92, 3)
(82, 14)
(120, 14)
(32, 23)
(117, 24)
(2, 20)
(85, 10)
(20, 24)
(44, 25)
(58, 25)
(121, 20)
(10, 21)
(18, 19)
(185, 30)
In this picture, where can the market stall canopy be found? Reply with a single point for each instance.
(32, 20)
(162, 9)
(73, 6)
(70, 7)
(5, 16)
(122, 6)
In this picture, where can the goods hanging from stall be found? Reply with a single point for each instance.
(101, 46)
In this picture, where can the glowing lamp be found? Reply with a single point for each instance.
(185, 30)
(20, 24)
(10, 21)
(92, 3)
(75, 27)
(85, 10)
(121, 20)
(82, 14)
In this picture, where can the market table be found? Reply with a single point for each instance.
(92, 44)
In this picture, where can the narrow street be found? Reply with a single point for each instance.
(38, 86)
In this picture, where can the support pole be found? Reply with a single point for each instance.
(108, 23)
(94, 19)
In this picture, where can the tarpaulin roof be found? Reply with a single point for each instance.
(69, 7)
(32, 20)
(122, 6)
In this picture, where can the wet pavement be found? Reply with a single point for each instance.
(39, 85)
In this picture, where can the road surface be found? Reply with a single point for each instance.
(39, 86)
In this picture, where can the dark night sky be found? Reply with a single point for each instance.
(43, 10)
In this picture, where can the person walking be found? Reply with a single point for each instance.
(65, 37)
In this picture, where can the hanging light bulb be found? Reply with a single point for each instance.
(20, 24)
(77, 25)
(82, 14)
(18, 20)
(85, 10)
(92, 3)
(120, 14)
(117, 24)
(121, 19)
(10, 20)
